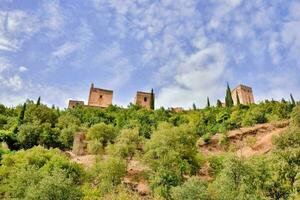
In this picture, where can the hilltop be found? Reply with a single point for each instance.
(137, 153)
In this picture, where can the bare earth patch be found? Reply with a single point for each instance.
(245, 142)
(86, 160)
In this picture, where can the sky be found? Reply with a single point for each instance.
(187, 50)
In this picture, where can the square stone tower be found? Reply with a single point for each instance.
(100, 97)
(74, 103)
(143, 99)
(245, 94)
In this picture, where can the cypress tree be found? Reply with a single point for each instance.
(237, 98)
(228, 97)
(283, 100)
(194, 106)
(208, 103)
(152, 105)
(219, 103)
(293, 100)
(22, 114)
(38, 101)
(21, 118)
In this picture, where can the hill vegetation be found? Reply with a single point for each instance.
(34, 164)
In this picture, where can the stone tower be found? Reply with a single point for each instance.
(143, 99)
(100, 97)
(74, 103)
(245, 94)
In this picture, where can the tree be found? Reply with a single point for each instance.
(22, 114)
(171, 153)
(194, 106)
(38, 101)
(208, 103)
(237, 98)
(101, 134)
(20, 118)
(152, 106)
(192, 189)
(126, 143)
(39, 173)
(219, 103)
(108, 174)
(228, 97)
(292, 100)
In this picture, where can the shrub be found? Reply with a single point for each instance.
(126, 143)
(192, 189)
(107, 174)
(102, 133)
(38, 173)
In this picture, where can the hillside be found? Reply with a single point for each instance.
(246, 141)
(214, 153)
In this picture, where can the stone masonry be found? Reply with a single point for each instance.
(143, 99)
(245, 94)
(100, 97)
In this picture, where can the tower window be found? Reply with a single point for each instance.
(100, 96)
(145, 99)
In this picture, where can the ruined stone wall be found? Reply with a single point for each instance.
(100, 97)
(245, 94)
(143, 99)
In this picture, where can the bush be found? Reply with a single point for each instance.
(126, 143)
(107, 174)
(192, 189)
(38, 173)
(102, 133)
(95, 147)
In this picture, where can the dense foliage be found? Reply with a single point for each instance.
(33, 165)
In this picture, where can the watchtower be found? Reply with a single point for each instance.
(143, 99)
(245, 94)
(100, 97)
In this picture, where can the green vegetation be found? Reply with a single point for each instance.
(34, 165)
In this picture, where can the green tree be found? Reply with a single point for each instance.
(152, 105)
(219, 103)
(127, 142)
(38, 173)
(108, 174)
(171, 153)
(292, 100)
(208, 103)
(22, 115)
(194, 106)
(237, 98)
(192, 189)
(38, 101)
(228, 97)
(99, 135)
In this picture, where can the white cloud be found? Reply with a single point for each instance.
(120, 67)
(16, 26)
(53, 15)
(65, 49)
(23, 69)
(198, 76)
(4, 64)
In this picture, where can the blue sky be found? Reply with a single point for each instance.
(185, 49)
